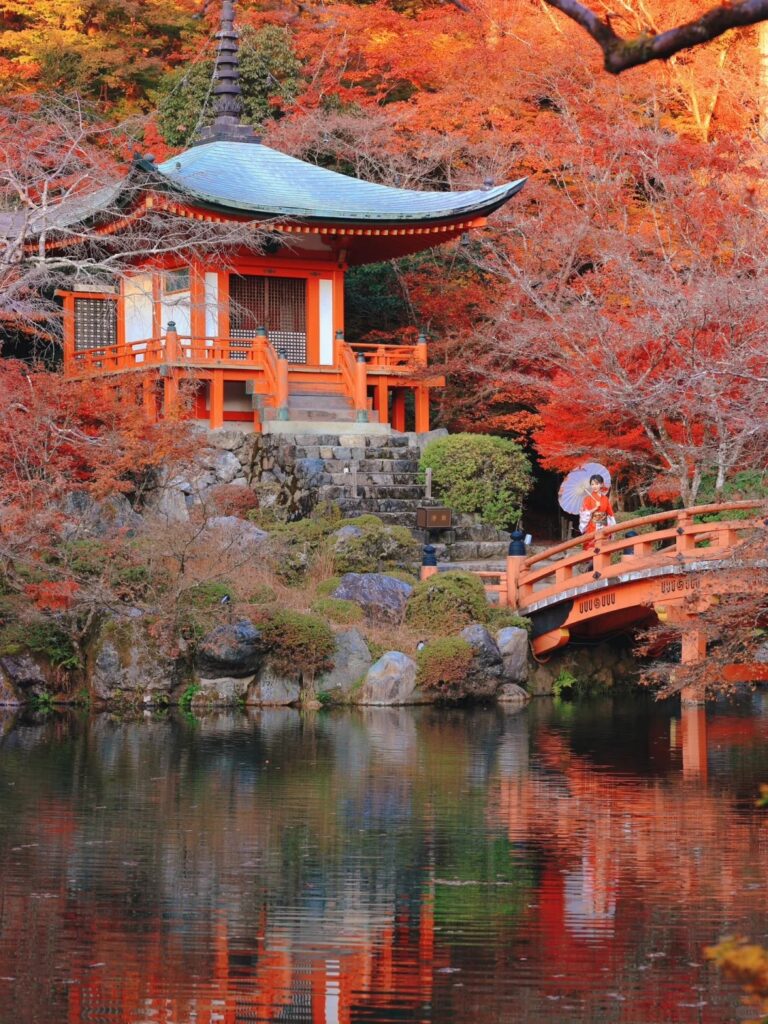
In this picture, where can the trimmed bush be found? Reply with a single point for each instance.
(479, 474)
(338, 610)
(443, 666)
(297, 642)
(447, 602)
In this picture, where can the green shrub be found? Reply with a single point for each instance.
(40, 637)
(403, 576)
(442, 666)
(185, 700)
(297, 642)
(447, 601)
(501, 618)
(479, 473)
(338, 610)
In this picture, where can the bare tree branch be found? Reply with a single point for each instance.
(620, 54)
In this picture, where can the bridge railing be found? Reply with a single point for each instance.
(680, 538)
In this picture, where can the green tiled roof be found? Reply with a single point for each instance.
(249, 177)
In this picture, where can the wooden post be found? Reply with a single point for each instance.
(421, 354)
(216, 397)
(361, 389)
(171, 343)
(426, 571)
(422, 409)
(170, 392)
(382, 393)
(398, 409)
(282, 385)
(693, 720)
(515, 565)
(684, 542)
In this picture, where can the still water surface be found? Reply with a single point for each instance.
(559, 863)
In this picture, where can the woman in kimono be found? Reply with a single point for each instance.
(596, 511)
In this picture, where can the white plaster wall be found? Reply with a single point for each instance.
(138, 307)
(326, 322)
(177, 307)
(211, 304)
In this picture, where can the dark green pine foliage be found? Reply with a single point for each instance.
(270, 78)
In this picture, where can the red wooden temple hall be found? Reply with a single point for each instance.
(261, 331)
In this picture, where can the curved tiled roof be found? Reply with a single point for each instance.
(250, 178)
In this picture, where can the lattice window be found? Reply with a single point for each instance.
(277, 303)
(95, 324)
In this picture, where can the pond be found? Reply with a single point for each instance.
(563, 862)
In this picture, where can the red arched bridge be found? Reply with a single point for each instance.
(667, 567)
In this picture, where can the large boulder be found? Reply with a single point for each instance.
(512, 642)
(224, 464)
(21, 678)
(234, 530)
(380, 596)
(485, 672)
(511, 693)
(234, 650)
(226, 691)
(274, 689)
(392, 680)
(125, 664)
(86, 517)
(351, 662)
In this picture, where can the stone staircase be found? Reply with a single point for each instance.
(378, 474)
(313, 410)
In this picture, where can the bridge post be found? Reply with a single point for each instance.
(515, 566)
(428, 562)
(684, 541)
(693, 723)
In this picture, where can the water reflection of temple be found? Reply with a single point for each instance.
(412, 866)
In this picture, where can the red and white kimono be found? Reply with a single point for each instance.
(596, 511)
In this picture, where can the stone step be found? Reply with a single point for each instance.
(466, 551)
(398, 491)
(338, 476)
(303, 430)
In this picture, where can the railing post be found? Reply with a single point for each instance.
(361, 389)
(421, 355)
(515, 564)
(171, 343)
(684, 542)
(428, 562)
(338, 341)
(282, 385)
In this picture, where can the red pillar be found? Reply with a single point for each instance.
(398, 409)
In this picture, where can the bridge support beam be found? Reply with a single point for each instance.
(693, 722)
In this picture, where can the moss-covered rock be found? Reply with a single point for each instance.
(446, 602)
(443, 665)
(296, 643)
(366, 544)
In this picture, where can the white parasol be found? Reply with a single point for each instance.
(576, 486)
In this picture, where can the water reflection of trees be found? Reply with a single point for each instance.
(341, 867)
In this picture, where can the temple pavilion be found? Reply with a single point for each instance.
(258, 334)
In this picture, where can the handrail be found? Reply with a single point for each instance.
(389, 356)
(347, 368)
(631, 524)
(678, 542)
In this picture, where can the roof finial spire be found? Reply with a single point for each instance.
(228, 101)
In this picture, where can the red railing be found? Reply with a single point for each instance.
(390, 357)
(614, 554)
